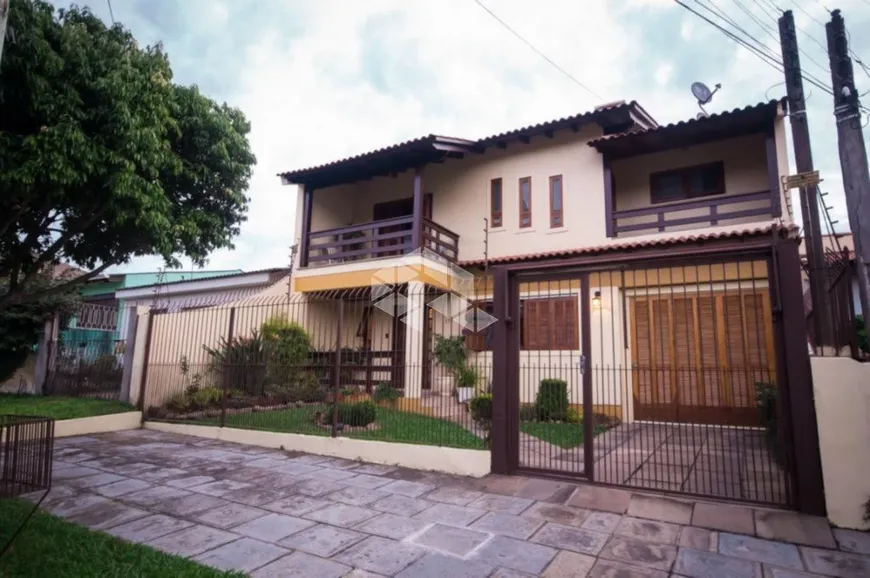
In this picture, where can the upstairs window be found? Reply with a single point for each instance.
(495, 202)
(687, 183)
(525, 202)
(556, 219)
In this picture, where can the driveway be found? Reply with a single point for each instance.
(273, 514)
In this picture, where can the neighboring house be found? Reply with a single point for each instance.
(598, 183)
(196, 293)
(95, 329)
(834, 246)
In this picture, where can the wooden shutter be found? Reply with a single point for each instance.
(551, 324)
(708, 345)
(685, 348)
(641, 350)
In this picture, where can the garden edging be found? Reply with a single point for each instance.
(97, 424)
(463, 462)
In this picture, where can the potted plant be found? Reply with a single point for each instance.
(386, 396)
(466, 383)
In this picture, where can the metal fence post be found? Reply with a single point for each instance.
(129, 351)
(228, 368)
(337, 375)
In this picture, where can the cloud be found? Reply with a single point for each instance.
(323, 79)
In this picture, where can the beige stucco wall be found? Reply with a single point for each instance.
(745, 164)
(841, 387)
(460, 191)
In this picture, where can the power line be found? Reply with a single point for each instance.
(538, 52)
(766, 57)
(111, 12)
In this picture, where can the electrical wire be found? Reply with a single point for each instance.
(537, 51)
(111, 12)
(763, 52)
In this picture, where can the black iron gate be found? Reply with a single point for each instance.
(652, 374)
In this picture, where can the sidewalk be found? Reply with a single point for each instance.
(273, 514)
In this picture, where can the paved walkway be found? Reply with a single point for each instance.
(274, 514)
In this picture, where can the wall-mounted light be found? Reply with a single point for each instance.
(596, 300)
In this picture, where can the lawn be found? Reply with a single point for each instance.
(59, 407)
(562, 434)
(395, 426)
(49, 546)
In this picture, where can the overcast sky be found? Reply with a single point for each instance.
(323, 79)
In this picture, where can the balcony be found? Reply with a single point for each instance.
(712, 211)
(378, 239)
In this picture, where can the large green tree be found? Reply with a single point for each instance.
(103, 158)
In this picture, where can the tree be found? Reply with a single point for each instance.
(103, 158)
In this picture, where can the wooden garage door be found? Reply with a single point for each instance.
(698, 358)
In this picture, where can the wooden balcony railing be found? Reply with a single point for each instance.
(711, 213)
(385, 238)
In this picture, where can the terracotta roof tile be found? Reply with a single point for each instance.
(658, 242)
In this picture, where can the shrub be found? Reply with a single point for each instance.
(178, 403)
(306, 387)
(467, 377)
(385, 393)
(573, 416)
(451, 353)
(481, 408)
(357, 414)
(528, 412)
(240, 363)
(205, 397)
(287, 348)
(552, 400)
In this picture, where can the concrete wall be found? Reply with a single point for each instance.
(98, 424)
(841, 387)
(460, 462)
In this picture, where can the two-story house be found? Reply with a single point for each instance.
(434, 215)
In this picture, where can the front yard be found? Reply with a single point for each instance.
(59, 407)
(51, 547)
(392, 426)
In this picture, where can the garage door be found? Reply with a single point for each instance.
(699, 358)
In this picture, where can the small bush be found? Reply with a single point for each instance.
(357, 414)
(467, 377)
(552, 400)
(205, 397)
(240, 363)
(481, 408)
(385, 393)
(451, 353)
(573, 416)
(178, 403)
(528, 412)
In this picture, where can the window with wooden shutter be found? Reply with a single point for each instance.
(550, 324)
(687, 183)
(556, 202)
(495, 206)
(525, 202)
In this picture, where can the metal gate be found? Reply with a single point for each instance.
(652, 374)
(85, 368)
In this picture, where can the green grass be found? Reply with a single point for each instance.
(49, 546)
(59, 407)
(562, 434)
(395, 426)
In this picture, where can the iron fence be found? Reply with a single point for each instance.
(846, 325)
(353, 363)
(90, 368)
(26, 446)
(661, 378)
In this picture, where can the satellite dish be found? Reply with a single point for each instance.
(704, 95)
(701, 92)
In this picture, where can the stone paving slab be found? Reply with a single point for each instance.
(246, 508)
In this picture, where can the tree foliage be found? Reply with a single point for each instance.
(103, 158)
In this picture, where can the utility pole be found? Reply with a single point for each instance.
(853, 153)
(803, 155)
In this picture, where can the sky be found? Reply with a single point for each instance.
(324, 79)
